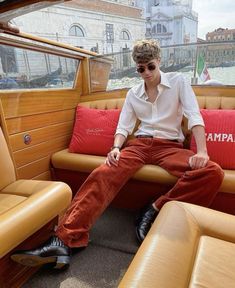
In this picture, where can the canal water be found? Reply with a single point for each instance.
(223, 75)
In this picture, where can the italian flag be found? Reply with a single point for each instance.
(202, 70)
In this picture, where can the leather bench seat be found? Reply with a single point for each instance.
(151, 173)
(73, 168)
(187, 246)
(26, 205)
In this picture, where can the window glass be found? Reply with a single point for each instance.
(109, 33)
(75, 30)
(125, 35)
(195, 62)
(23, 69)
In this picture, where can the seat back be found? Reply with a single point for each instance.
(7, 170)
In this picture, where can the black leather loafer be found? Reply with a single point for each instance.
(145, 221)
(54, 250)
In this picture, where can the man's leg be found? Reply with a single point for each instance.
(96, 193)
(92, 198)
(198, 186)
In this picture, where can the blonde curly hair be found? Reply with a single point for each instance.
(146, 50)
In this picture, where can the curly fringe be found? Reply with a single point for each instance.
(145, 51)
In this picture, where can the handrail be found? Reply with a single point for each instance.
(54, 43)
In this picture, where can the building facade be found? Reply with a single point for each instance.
(101, 26)
(171, 21)
(221, 34)
(221, 54)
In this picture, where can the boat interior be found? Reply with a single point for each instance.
(42, 82)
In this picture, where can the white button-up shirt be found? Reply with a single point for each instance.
(163, 118)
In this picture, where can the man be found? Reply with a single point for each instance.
(159, 103)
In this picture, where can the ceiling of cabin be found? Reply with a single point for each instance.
(10, 9)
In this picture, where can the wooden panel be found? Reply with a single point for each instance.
(28, 155)
(99, 74)
(34, 169)
(209, 91)
(48, 116)
(46, 176)
(121, 93)
(20, 124)
(40, 135)
(12, 274)
(86, 87)
(19, 103)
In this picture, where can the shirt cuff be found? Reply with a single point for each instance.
(121, 131)
(196, 121)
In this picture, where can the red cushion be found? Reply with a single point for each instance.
(220, 136)
(93, 131)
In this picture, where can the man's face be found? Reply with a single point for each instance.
(149, 71)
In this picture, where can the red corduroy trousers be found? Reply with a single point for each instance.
(193, 186)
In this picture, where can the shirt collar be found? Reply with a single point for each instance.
(164, 82)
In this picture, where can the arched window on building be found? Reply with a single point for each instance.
(76, 30)
(125, 35)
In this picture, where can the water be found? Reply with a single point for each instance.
(224, 75)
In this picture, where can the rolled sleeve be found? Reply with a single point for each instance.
(190, 105)
(195, 119)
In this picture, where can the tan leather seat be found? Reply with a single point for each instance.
(151, 173)
(187, 246)
(26, 205)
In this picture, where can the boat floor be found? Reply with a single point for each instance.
(103, 263)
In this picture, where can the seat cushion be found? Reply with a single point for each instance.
(187, 246)
(220, 136)
(94, 130)
(8, 201)
(151, 173)
(29, 204)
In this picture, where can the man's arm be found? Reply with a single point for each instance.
(114, 155)
(200, 159)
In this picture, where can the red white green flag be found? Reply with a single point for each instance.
(202, 70)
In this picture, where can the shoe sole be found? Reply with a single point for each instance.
(140, 240)
(32, 261)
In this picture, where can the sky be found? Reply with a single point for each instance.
(213, 14)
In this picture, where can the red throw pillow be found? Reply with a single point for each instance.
(93, 131)
(220, 136)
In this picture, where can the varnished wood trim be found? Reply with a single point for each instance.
(203, 90)
(46, 176)
(99, 74)
(36, 152)
(22, 103)
(86, 87)
(35, 168)
(121, 93)
(22, 124)
(37, 47)
(57, 44)
(38, 136)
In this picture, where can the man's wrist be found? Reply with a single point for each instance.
(115, 146)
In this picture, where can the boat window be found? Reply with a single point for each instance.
(22, 69)
(207, 63)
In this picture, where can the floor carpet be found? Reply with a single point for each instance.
(103, 263)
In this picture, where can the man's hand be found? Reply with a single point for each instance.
(198, 160)
(113, 157)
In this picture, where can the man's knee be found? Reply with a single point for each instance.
(216, 172)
